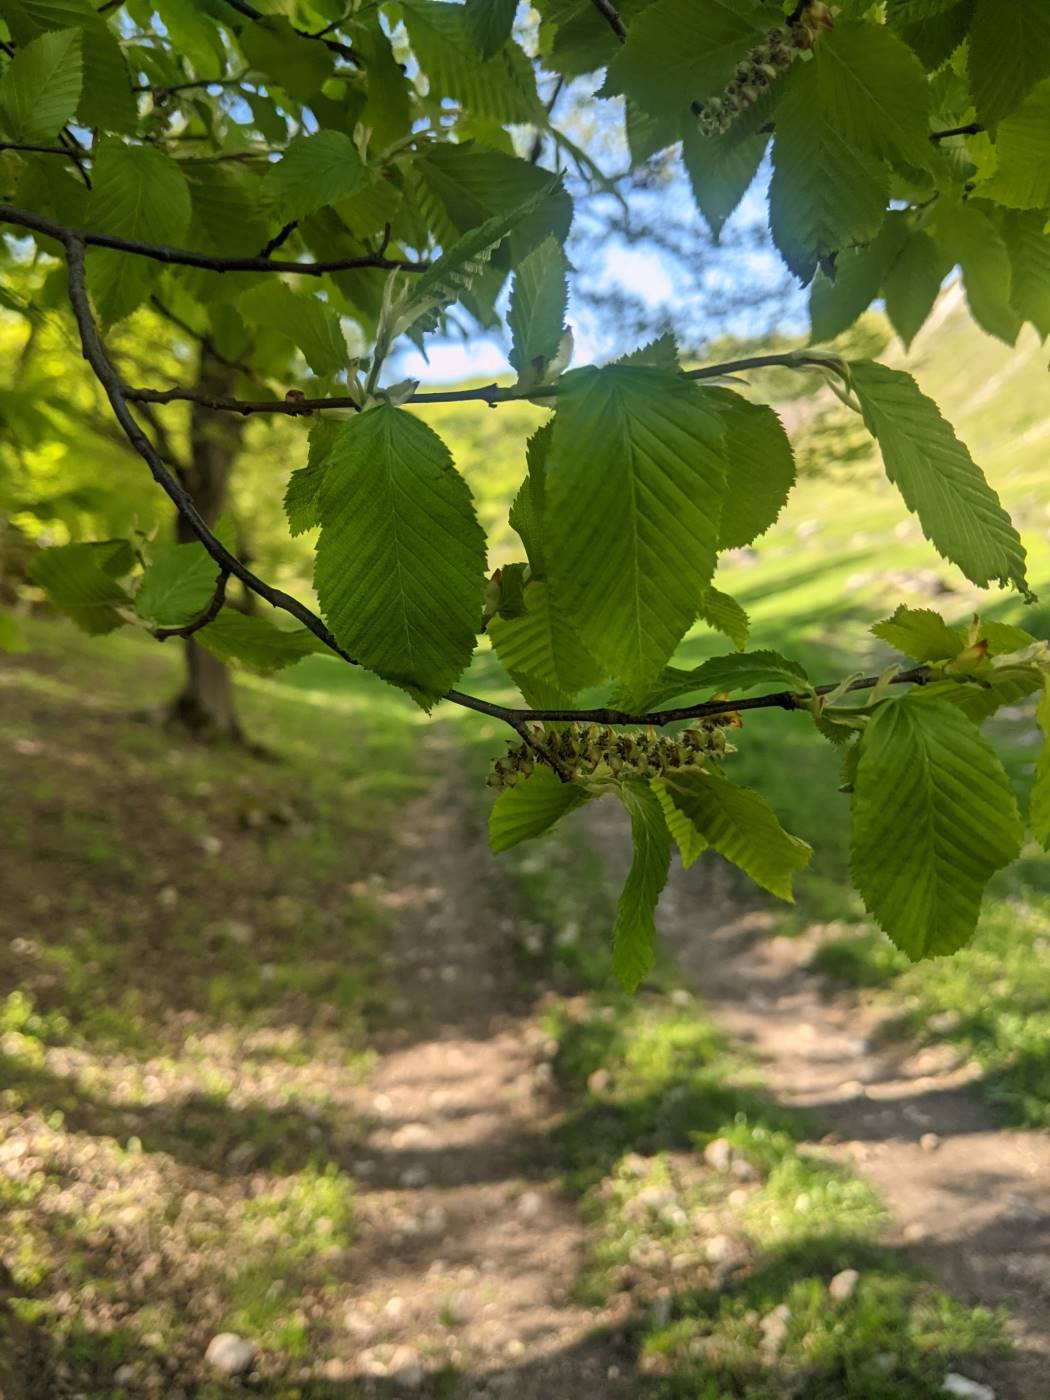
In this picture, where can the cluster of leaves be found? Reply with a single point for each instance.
(395, 146)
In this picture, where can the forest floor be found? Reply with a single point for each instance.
(285, 1053)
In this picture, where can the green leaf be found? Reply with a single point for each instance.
(634, 934)
(836, 302)
(302, 498)
(272, 47)
(1029, 249)
(678, 52)
(1009, 53)
(537, 308)
(75, 579)
(106, 100)
(1003, 638)
(825, 195)
(455, 271)
(177, 586)
(41, 88)
(400, 570)
(913, 284)
(726, 615)
(527, 507)
(731, 673)
(720, 171)
(502, 87)
(634, 483)
(310, 324)
(489, 23)
(691, 845)
(1022, 143)
(933, 819)
(226, 218)
(742, 827)
(140, 193)
(11, 638)
(959, 512)
(1039, 803)
(869, 85)
(760, 467)
(314, 171)
(257, 643)
(531, 807)
(542, 653)
(968, 237)
(920, 633)
(979, 698)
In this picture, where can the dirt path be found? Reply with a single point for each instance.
(454, 1173)
(970, 1199)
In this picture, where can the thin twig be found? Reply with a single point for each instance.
(334, 45)
(970, 129)
(281, 237)
(185, 257)
(210, 613)
(611, 15)
(95, 354)
(491, 394)
(161, 91)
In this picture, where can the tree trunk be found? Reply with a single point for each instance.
(205, 704)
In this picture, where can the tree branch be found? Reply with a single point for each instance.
(611, 15)
(185, 257)
(491, 394)
(343, 50)
(970, 129)
(210, 613)
(518, 719)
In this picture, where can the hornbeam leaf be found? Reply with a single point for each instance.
(731, 673)
(959, 512)
(106, 100)
(634, 934)
(74, 577)
(537, 308)
(257, 643)
(490, 23)
(825, 195)
(1009, 53)
(967, 236)
(542, 653)
(302, 498)
(455, 271)
(400, 570)
(635, 477)
(41, 87)
(913, 284)
(313, 171)
(178, 585)
(1022, 143)
(1039, 803)
(1029, 250)
(835, 303)
(531, 807)
(726, 615)
(720, 171)
(138, 192)
(741, 826)
(502, 87)
(760, 467)
(309, 323)
(981, 697)
(921, 633)
(691, 845)
(933, 819)
(678, 52)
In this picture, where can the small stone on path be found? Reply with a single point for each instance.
(719, 1154)
(843, 1285)
(966, 1389)
(230, 1355)
(929, 1142)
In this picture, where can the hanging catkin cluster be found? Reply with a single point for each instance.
(587, 752)
(761, 67)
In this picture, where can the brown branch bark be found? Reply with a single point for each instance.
(185, 257)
